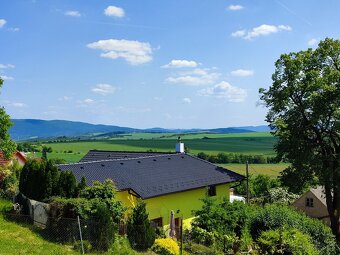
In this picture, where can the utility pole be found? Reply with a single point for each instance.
(247, 176)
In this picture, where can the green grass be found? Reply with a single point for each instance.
(20, 239)
(272, 170)
(246, 143)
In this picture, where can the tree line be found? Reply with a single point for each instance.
(237, 158)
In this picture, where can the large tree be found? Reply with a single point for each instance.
(6, 144)
(304, 113)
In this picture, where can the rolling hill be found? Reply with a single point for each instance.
(25, 129)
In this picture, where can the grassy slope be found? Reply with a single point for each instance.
(20, 239)
(248, 143)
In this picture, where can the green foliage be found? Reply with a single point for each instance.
(67, 184)
(274, 216)
(9, 180)
(223, 158)
(289, 241)
(44, 152)
(222, 217)
(304, 114)
(6, 144)
(102, 232)
(194, 248)
(105, 192)
(165, 246)
(139, 230)
(39, 180)
(121, 246)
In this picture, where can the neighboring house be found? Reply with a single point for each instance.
(165, 181)
(20, 157)
(313, 203)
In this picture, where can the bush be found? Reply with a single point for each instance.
(139, 230)
(199, 249)
(121, 246)
(223, 217)
(273, 217)
(165, 246)
(286, 242)
(102, 232)
(86, 244)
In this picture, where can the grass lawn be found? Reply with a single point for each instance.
(21, 240)
(272, 170)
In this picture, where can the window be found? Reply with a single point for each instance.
(211, 190)
(157, 223)
(309, 202)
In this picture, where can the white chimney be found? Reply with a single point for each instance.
(179, 146)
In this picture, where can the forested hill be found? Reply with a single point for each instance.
(34, 128)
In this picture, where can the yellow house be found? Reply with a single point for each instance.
(164, 181)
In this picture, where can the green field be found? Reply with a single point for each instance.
(273, 170)
(246, 143)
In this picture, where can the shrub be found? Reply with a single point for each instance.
(139, 230)
(286, 242)
(121, 246)
(86, 244)
(165, 246)
(273, 217)
(199, 249)
(202, 236)
(224, 217)
(102, 232)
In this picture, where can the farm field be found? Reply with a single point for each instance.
(273, 170)
(246, 143)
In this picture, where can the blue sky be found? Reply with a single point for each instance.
(171, 64)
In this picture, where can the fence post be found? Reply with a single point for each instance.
(81, 237)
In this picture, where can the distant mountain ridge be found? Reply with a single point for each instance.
(24, 129)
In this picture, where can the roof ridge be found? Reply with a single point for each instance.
(160, 152)
(120, 159)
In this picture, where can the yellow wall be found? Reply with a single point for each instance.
(185, 202)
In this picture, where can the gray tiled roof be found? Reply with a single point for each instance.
(152, 176)
(95, 155)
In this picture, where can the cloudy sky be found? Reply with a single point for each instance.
(171, 64)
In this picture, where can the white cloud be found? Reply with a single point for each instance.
(7, 78)
(104, 89)
(178, 63)
(5, 66)
(187, 100)
(195, 78)
(65, 98)
(18, 105)
(235, 7)
(2, 22)
(72, 13)
(242, 73)
(261, 30)
(134, 52)
(114, 11)
(226, 91)
(313, 42)
(239, 33)
(14, 29)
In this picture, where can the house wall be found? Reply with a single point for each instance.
(182, 203)
(318, 211)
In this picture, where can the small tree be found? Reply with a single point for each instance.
(44, 152)
(139, 230)
(67, 184)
